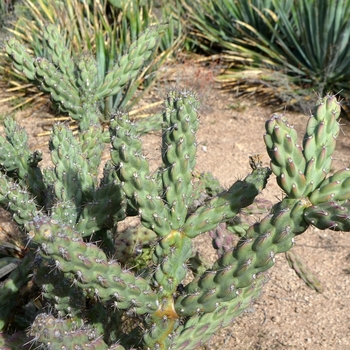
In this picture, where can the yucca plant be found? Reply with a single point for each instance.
(217, 25)
(283, 47)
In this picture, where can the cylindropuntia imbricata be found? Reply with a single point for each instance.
(97, 301)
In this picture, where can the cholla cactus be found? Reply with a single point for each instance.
(97, 301)
(75, 84)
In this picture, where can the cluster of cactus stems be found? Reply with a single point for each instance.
(75, 84)
(86, 280)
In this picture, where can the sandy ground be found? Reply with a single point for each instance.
(288, 315)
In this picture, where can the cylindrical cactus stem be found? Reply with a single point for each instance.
(198, 329)
(87, 78)
(160, 328)
(129, 65)
(333, 188)
(329, 215)
(58, 333)
(100, 278)
(247, 216)
(67, 299)
(92, 147)
(179, 152)
(303, 271)
(59, 52)
(133, 171)
(254, 253)
(149, 124)
(89, 116)
(287, 160)
(17, 200)
(72, 171)
(60, 88)
(69, 169)
(320, 139)
(18, 162)
(22, 61)
(170, 257)
(226, 205)
(107, 206)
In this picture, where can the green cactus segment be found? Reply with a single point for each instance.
(106, 207)
(287, 160)
(9, 296)
(227, 204)
(255, 253)
(149, 124)
(170, 257)
(129, 65)
(17, 200)
(211, 185)
(66, 298)
(320, 139)
(199, 329)
(303, 271)
(58, 333)
(91, 116)
(71, 168)
(14, 149)
(88, 78)
(22, 61)
(92, 146)
(178, 153)
(58, 52)
(98, 277)
(329, 215)
(41, 72)
(68, 161)
(65, 211)
(160, 329)
(240, 224)
(17, 160)
(333, 188)
(59, 87)
(133, 171)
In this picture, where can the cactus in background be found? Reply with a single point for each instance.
(103, 294)
(75, 85)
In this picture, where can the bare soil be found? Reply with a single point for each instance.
(288, 315)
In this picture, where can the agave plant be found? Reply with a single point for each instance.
(218, 25)
(283, 47)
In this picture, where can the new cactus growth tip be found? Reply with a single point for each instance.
(85, 283)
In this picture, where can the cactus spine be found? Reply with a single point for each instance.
(66, 208)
